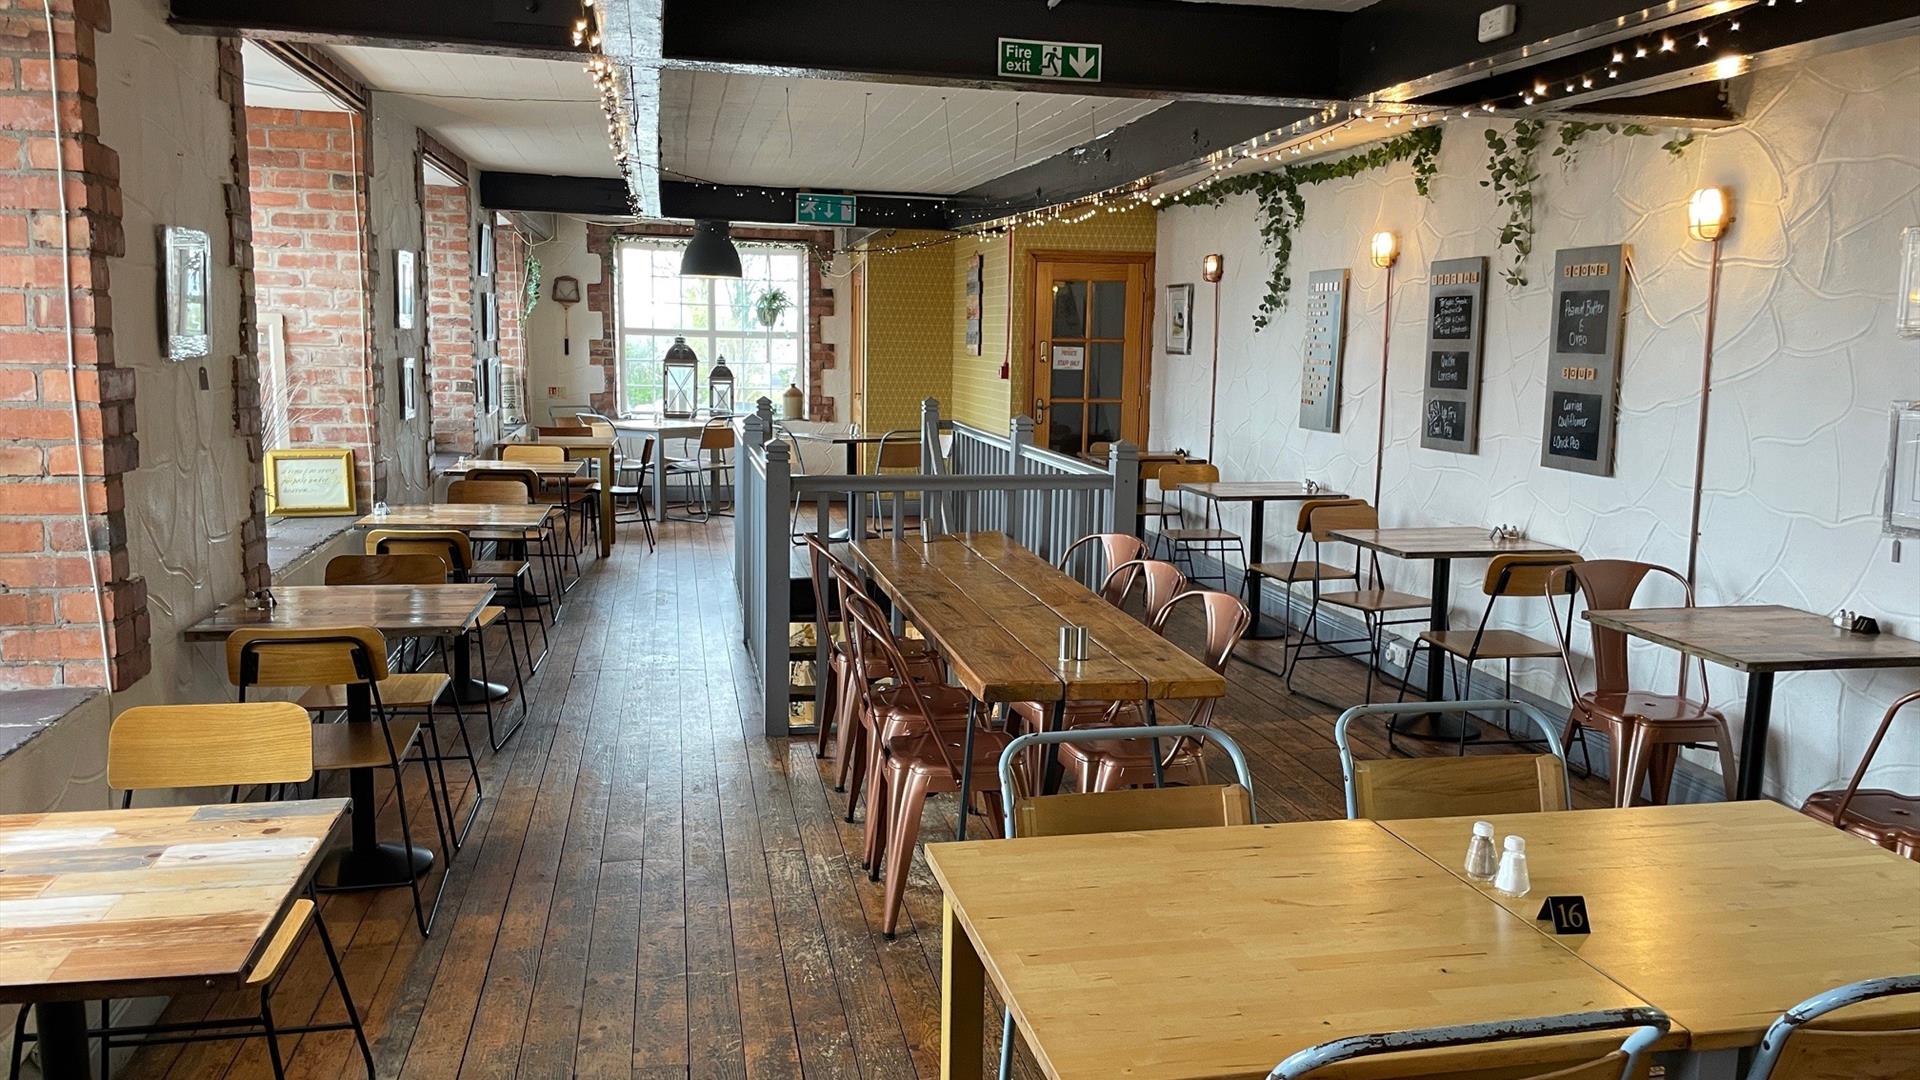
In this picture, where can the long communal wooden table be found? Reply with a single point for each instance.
(134, 903)
(1761, 640)
(1215, 953)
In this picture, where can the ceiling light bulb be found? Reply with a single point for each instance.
(1666, 44)
(1618, 56)
(1640, 52)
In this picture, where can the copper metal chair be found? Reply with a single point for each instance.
(1115, 549)
(1107, 765)
(1645, 731)
(1886, 818)
(1398, 787)
(1302, 570)
(1792, 1051)
(1623, 1064)
(839, 713)
(1370, 598)
(1507, 575)
(1209, 539)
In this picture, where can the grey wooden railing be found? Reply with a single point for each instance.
(981, 482)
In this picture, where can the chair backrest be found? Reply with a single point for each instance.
(322, 656)
(1164, 582)
(509, 492)
(1623, 1064)
(898, 450)
(1172, 476)
(820, 561)
(1792, 1051)
(1227, 620)
(1126, 810)
(523, 479)
(1866, 759)
(1383, 789)
(1346, 514)
(564, 429)
(871, 643)
(717, 435)
(1302, 522)
(1522, 575)
(601, 428)
(1609, 584)
(1116, 548)
(221, 745)
(451, 546)
(542, 452)
(430, 569)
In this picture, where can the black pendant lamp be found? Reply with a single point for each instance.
(711, 252)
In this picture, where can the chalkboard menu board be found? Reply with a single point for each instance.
(1456, 335)
(1326, 345)
(1583, 366)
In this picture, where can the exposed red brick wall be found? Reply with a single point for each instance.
(49, 615)
(254, 570)
(308, 171)
(510, 286)
(450, 315)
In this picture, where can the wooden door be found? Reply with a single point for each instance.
(1090, 327)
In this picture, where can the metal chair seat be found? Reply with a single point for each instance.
(1376, 600)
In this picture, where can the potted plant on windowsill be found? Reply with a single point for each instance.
(771, 305)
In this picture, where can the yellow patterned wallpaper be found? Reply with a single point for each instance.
(909, 342)
(979, 393)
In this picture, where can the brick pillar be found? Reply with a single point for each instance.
(50, 617)
(450, 316)
(599, 296)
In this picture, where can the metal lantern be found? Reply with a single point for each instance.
(720, 388)
(679, 381)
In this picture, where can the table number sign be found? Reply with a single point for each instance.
(1326, 344)
(1583, 363)
(1569, 915)
(1456, 339)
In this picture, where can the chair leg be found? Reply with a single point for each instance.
(406, 838)
(884, 792)
(906, 835)
(829, 705)
(1639, 761)
(430, 763)
(473, 770)
(19, 1042)
(849, 745)
(1664, 757)
(1729, 765)
(346, 996)
(1006, 1044)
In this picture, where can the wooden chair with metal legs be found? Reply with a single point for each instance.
(1196, 806)
(1109, 765)
(711, 460)
(1153, 509)
(897, 452)
(1301, 570)
(1645, 731)
(568, 549)
(533, 545)
(352, 661)
(267, 745)
(1382, 789)
(1369, 598)
(454, 548)
(1791, 1050)
(347, 571)
(1887, 818)
(1507, 576)
(573, 493)
(1209, 539)
(841, 715)
(633, 480)
(1625, 1063)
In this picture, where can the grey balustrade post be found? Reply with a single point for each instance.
(753, 436)
(1123, 461)
(1019, 437)
(776, 584)
(933, 513)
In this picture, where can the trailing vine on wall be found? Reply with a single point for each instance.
(1282, 206)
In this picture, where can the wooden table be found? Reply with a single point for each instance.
(661, 429)
(581, 447)
(1217, 952)
(1257, 494)
(395, 610)
(134, 903)
(1760, 640)
(1440, 546)
(545, 470)
(463, 516)
(1722, 914)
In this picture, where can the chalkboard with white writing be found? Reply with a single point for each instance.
(1583, 360)
(1456, 332)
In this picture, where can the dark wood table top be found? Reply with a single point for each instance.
(128, 903)
(391, 609)
(844, 439)
(459, 516)
(1444, 542)
(1761, 638)
(1259, 491)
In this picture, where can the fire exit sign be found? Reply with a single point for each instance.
(1066, 61)
(810, 208)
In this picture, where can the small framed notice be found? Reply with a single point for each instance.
(1583, 360)
(310, 482)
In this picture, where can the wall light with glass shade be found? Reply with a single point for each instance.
(1386, 249)
(1709, 212)
(1709, 215)
(1212, 267)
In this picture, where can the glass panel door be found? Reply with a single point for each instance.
(1090, 335)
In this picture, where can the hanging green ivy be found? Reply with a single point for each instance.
(534, 273)
(1282, 207)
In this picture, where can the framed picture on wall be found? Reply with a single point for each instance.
(310, 482)
(974, 269)
(1179, 320)
(481, 385)
(409, 387)
(493, 385)
(489, 317)
(187, 253)
(486, 249)
(406, 290)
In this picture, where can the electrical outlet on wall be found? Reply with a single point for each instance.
(1496, 23)
(1396, 653)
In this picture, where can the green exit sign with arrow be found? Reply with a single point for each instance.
(1067, 61)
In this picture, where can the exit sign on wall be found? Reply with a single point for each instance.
(1067, 61)
(814, 209)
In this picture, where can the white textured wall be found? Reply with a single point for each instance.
(1826, 171)
(547, 366)
(393, 205)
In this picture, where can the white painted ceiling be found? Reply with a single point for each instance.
(271, 84)
(934, 139)
(507, 113)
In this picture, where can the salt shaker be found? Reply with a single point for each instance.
(1480, 859)
(1512, 877)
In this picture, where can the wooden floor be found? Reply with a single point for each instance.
(653, 889)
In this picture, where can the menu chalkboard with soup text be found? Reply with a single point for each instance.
(1583, 364)
(1456, 333)
(1326, 344)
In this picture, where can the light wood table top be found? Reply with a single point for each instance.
(1445, 542)
(1762, 638)
(1724, 914)
(127, 903)
(572, 442)
(538, 468)
(459, 516)
(402, 610)
(1259, 491)
(1218, 952)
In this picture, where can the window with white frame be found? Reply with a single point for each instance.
(756, 321)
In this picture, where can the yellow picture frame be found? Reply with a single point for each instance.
(310, 482)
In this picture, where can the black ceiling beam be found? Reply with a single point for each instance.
(775, 205)
(1209, 52)
(535, 28)
(1173, 135)
(1697, 104)
(598, 196)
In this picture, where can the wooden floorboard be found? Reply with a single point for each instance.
(654, 889)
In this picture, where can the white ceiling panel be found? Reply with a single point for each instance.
(271, 84)
(747, 129)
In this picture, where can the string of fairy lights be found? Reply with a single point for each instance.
(1323, 131)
